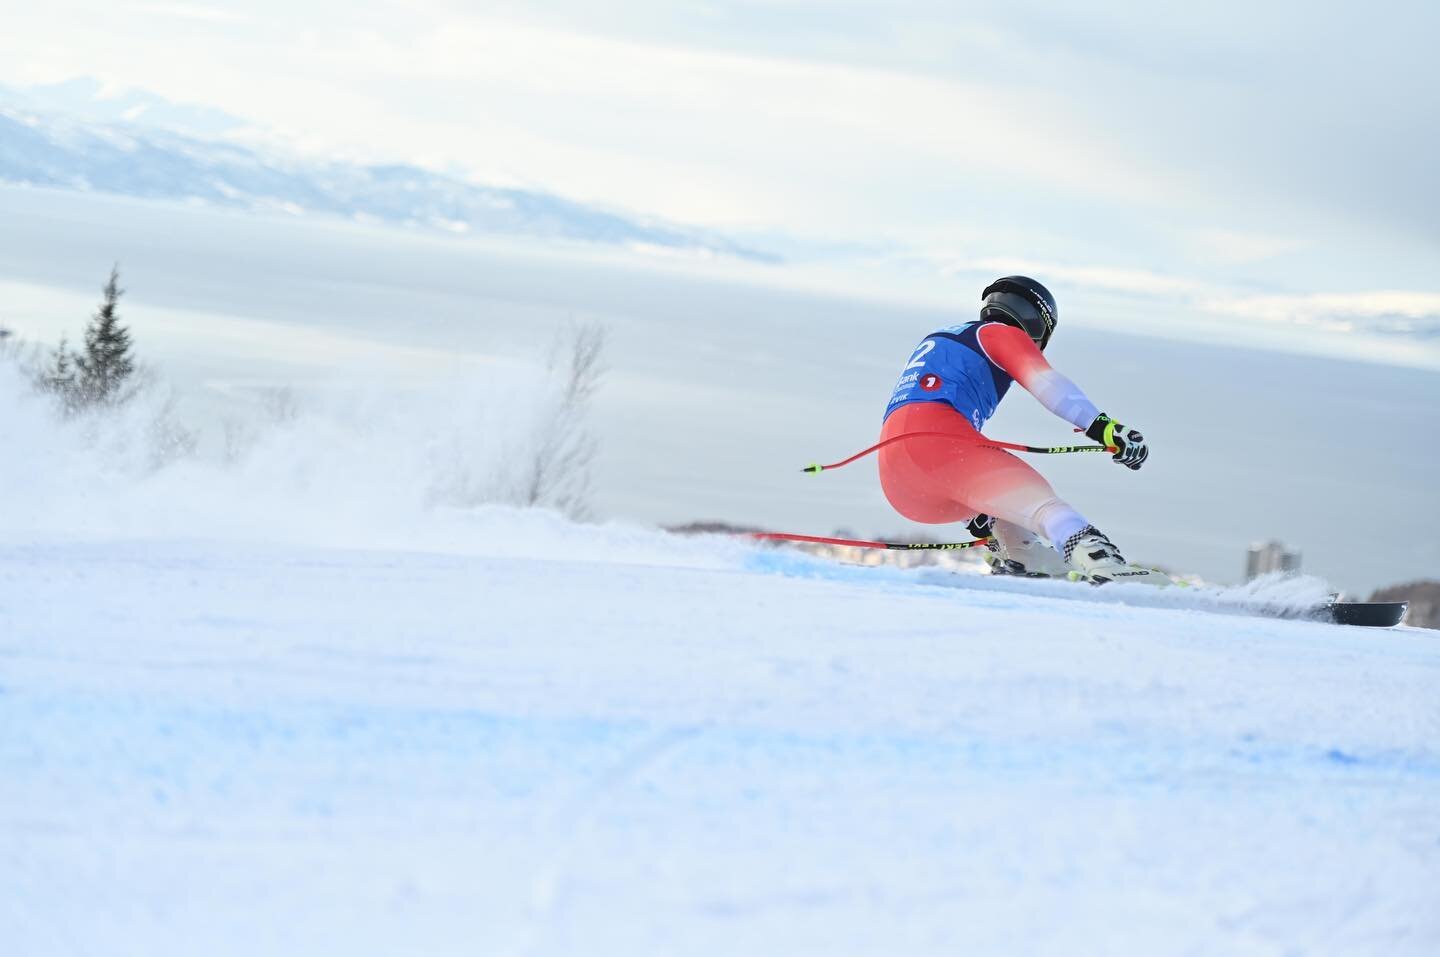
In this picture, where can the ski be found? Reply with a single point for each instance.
(1332, 611)
(1361, 614)
(1364, 614)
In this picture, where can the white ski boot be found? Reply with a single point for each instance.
(1097, 560)
(1015, 550)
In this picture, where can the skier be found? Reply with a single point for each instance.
(952, 384)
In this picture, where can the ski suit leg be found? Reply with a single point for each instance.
(950, 478)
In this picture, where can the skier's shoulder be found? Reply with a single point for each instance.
(980, 336)
(961, 331)
(1004, 345)
(949, 337)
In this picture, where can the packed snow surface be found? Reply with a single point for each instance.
(239, 715)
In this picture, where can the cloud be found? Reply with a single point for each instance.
(1238, 247)
(190, 11)
(1409, 315)
(1387, 312)
(1107, 278)
(861, 131)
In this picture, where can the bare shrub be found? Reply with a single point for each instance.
(558, 473)
(279, 406)
(169, 440)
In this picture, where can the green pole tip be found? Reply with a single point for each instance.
(813, 469)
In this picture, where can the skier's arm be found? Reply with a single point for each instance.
(1017, 355)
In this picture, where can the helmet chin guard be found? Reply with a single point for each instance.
(1023, 302)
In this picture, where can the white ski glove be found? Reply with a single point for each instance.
(1130, 448)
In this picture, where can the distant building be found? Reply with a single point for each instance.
(1270, 557)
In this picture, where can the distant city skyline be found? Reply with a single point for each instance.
(1271, 556)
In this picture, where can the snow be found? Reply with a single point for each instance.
(282, 705)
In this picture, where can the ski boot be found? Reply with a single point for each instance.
(1097, 560)
(1014, 550)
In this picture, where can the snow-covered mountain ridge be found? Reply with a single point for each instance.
(144, 147)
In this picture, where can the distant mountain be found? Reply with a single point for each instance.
(138, 145)
(83, 98)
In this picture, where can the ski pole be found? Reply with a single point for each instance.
(861, 543)
(986, 444)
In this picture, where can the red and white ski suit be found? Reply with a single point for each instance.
(952, 384)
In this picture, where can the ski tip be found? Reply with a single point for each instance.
(1366, 614)
(813, 469)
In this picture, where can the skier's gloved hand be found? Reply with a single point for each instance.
(1131, 450)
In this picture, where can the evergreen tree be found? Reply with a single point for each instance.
(101, 371)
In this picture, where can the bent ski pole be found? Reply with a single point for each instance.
(861, 543)
(985, 444)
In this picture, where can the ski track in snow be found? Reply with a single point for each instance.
(687, 746)
(291, 706)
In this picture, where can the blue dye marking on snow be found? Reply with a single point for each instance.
(312, 757)
(795, 565)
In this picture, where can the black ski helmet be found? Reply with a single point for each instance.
(1021, 301)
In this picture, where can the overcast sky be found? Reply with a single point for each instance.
(1281, 151)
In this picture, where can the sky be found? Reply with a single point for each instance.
(1284, 148)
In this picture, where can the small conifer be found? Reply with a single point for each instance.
(105, 365)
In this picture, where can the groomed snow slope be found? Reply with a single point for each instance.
(489, 731)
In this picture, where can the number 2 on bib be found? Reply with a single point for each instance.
(918, 359)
